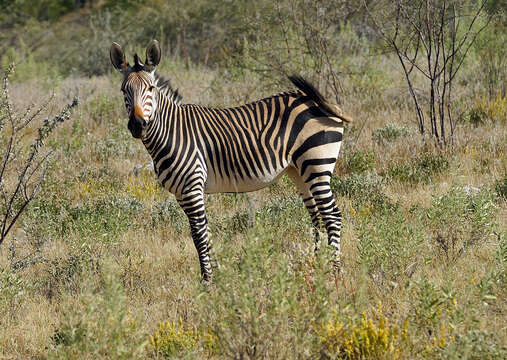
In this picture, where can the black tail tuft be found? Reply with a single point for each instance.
(314, 94)
(307, 88)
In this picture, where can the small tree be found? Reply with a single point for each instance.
(23, 167)
(433, 37)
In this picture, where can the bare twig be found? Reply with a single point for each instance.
(17, 193)
(435, 25)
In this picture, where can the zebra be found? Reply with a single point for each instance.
(198, 150)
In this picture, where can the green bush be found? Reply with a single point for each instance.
(168, 212)
(473, 344)
(359, 161)
(461, 219)
(501, 187)
(422, 169)
(101, 218)
(388, 242)
(98, 325)
(389, 133)
(363, 189)
(12, 291)
(371, 337)
(264, 298)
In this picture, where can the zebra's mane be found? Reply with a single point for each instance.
(164, 86)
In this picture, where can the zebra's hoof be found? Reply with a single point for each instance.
(206, 281)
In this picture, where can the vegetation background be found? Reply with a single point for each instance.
(101, 263)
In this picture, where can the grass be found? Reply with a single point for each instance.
(103, 266)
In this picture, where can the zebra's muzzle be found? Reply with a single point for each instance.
(136, 125)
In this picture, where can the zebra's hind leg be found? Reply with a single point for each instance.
(329, 213)
(310, 204)
(311, 207)
(192, 203)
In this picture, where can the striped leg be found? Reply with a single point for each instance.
(310, 204)
(309, 201)
(192, 203)
(329, 213)
(311, 207)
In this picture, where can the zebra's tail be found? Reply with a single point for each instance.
(316, 96)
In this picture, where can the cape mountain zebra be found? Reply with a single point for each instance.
(199, 150)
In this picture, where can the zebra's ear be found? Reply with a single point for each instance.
(153, 54)
(118, 58)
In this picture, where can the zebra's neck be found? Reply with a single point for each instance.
(160, 127)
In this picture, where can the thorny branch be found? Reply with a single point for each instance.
(30, 164)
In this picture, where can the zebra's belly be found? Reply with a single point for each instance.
(217, 184)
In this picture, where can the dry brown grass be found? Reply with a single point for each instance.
(96, 255)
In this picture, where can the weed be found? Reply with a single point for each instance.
(359, 161)
(487, 110)
(501, 187)
(419, 170)
(473, 344)
(373, 336)
(363, 189)
(65, 275)
(387, 243)
(389, 133)
(99, 218)
(12, 290)
(174, 340)
(168, 212)
(460, 220)
(263, 310)
(104, 108)
(98, 325)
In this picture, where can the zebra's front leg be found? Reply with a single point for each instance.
(193, 206)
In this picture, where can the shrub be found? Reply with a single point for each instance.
(282, 212)
(103, 217)
(486, 110)
(168, 212)
(98, 325)
(422, 169)
(359, 161)
(373, 336)
(65, 275)
(174, 340)
(501, 187)
(363, 189)
(12, 293)
(387, 243)
(264, 299)
(104, 108)
(24, 158)
(389, 133)
(461, 219)
(473, 344)
(434, 316)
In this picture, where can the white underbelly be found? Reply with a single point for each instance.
(217, 184)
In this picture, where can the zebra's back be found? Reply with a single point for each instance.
(248, 147)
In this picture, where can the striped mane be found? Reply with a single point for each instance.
(164, 86)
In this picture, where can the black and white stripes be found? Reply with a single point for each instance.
(198, 150)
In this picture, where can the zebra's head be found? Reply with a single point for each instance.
(139, 85)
